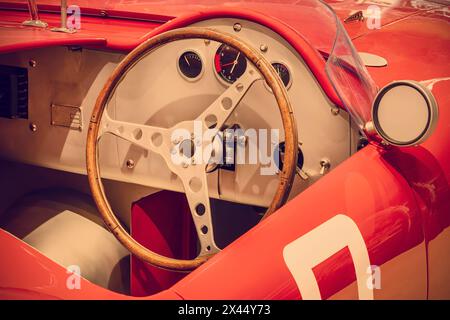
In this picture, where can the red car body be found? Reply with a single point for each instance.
(397, 197)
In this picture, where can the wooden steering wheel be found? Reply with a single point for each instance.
(156, 139)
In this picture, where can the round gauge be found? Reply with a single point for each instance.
(283, 73)
(190, 64)
(229, 63)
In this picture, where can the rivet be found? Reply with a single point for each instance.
(32, 63)
(207, 41)
(237, 27)
(263, 48)
(130, 164)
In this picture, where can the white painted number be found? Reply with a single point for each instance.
(306, 252)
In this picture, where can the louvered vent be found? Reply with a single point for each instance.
(13, 92)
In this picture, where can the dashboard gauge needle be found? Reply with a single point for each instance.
(227, 64)
(235, 62)
(187, 61)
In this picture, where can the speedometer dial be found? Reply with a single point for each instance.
(229, 63)
(283, 73)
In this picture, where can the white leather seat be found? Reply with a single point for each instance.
(64, 225)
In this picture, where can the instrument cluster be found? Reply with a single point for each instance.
(229, 65)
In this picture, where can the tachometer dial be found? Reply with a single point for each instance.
(190, 64)
(229, 63)
(283, 73)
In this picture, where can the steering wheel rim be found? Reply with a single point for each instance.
(286, 176)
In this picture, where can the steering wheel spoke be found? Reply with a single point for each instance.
(148, 137)
(196, 189)
(220, 110)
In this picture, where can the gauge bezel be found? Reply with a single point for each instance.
(288, 86)
(202, 60)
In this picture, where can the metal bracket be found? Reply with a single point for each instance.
(35, 23)
(34, 15)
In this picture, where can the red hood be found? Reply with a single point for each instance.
(284, 10)
(391, 11)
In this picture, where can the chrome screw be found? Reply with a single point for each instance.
(237, 27)
(130, 164)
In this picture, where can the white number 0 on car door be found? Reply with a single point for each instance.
(306, 252)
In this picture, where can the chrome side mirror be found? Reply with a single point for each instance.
(404, 113)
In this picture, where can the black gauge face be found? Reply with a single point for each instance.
(229, 63)
(280, 149)
(283, 73)
(190, 64)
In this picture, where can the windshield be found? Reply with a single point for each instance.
(349, 76)
(312, 19)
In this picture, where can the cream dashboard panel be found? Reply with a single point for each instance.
(59, 76)
(155, 93)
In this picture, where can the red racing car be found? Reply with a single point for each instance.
(270, 149)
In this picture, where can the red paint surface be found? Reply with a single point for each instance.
(25, 273)
(114, 34)
(379, 200)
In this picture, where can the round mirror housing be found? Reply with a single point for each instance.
(404, 113)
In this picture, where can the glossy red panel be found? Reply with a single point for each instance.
(366, 188)
(115, 34)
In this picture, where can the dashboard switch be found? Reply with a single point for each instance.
(324, 166)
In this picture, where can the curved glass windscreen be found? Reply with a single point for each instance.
(349, 77)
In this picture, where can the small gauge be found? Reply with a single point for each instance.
(283, 73)
(229, 63)
(190, 64)
(280, 152)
